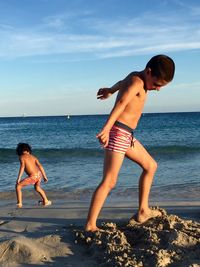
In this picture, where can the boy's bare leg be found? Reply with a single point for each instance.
(112, 165)
(19, 195)
(139, 155)
(42, 193)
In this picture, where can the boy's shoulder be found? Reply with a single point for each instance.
(27, 157)
(135, 75)
(134, 78)
(32, 156)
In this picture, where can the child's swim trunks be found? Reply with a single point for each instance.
(32, 179)
(120, 138)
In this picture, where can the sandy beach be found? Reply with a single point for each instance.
(54, 236)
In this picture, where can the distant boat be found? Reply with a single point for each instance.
(68, 116)
(24, 115)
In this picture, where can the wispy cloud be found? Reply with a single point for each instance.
(102, 38)
(194, 85)
(66, 20)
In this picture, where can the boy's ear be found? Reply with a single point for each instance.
(148, 70)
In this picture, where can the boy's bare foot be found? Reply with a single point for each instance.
(19, 205)
(144, 216)
(47, 203)
(92, 229)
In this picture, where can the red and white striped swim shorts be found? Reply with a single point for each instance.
(121, 138)
(32, 179)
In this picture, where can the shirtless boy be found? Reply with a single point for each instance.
(117, 135)
(33, 169)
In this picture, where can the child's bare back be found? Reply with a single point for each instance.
(31, 164)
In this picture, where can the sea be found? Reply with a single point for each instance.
(73, 158)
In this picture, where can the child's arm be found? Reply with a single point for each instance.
(21, 170)
(119, 107)
(104, 93)
(42, 170)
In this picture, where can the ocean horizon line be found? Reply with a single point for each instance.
(98, 114)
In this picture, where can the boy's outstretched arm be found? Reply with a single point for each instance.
(42, 170)
(105, 92)
(21, 170)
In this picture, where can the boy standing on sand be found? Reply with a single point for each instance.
(117, 135)
(34, 170)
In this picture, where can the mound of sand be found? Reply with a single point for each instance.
(166, 241)
(22, 250)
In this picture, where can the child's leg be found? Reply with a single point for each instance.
(112, 165)
(19, 191)
(41, 192)
(19, 195)
(139, 155)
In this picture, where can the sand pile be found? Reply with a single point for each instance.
(22, 250)
(166, 241)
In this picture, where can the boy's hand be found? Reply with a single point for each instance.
(17, 181)
(103, 137)
(103, 93)
(45, 179)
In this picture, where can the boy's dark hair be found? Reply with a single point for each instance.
(21, 147)
(162, 67)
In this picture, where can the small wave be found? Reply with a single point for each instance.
(72, 152)
(7, 153)
(174, 149)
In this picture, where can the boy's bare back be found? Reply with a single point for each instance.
(30, 163)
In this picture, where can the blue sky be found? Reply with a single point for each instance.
(56, 54)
